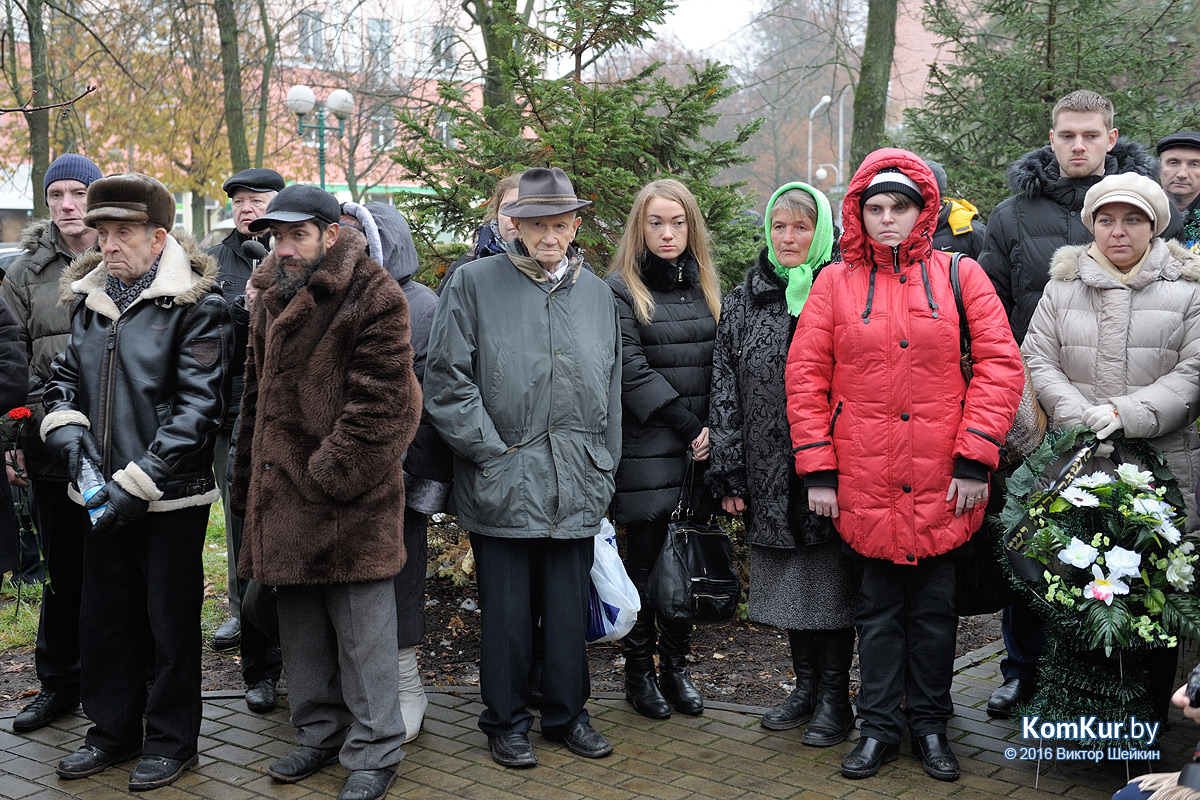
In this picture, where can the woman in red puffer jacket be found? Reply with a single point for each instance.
(895, 446)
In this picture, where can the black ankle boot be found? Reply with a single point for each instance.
(797, 709)
(833, 718)
(674, 643)
(640, 688)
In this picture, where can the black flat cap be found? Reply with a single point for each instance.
(1181, 139)
(256, 180)
(299, 203)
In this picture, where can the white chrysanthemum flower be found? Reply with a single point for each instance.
(1169, 532)
(1123, 563)
(1131, 475)
(1080, 498)
(1078, 554)
(1095, 480)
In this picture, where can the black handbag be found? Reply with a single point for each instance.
(695, 579)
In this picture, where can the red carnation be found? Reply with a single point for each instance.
(20, 412)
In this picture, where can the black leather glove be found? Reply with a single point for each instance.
(69, 444)
(122, 508)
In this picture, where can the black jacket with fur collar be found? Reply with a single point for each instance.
(149, 382)
(1043, 215)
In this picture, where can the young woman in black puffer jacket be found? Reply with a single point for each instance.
(669, 299)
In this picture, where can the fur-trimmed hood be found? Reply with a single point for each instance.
(1180, 263)
(185, 274)
(31, 236)
(1035, 173)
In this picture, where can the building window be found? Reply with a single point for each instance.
(379, 45)
(312, 35)
(444, 128)
(443, 49)
(383, 130)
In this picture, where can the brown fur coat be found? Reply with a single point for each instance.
(330, 405)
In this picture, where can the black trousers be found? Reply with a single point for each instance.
(410, 582)
(261, 657)
(147, 577)
(511, 573)
(906, 631)
(64, 527)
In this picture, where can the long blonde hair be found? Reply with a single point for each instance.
(632, 249)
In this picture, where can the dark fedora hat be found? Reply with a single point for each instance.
(544, 193)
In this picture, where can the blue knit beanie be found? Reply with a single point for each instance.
(71, 167)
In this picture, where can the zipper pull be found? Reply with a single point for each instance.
(112, 336)
(680, 278)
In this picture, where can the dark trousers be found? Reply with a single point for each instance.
(410, 582)
(511, 573)
(64, 527)
(643, 543)
(906, 632)
(260, 653)
(1024, 637)
(147, 577)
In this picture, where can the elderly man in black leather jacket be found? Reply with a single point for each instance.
(138, 396)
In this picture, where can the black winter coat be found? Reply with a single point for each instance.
(969, 243)
(1043, 215)
(751, 441)
(667, 360)
(150, 382)
(233, 270)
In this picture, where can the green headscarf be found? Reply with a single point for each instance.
(799, 278)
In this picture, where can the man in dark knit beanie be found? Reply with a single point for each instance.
(30, 290)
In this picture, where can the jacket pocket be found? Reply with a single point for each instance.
(498, 494)
(598, 481)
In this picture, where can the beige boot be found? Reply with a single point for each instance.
(412, 696)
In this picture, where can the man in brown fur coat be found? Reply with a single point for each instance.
(330, 404)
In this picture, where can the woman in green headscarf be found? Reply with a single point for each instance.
(799, 578)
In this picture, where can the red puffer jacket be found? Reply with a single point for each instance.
(875, 393)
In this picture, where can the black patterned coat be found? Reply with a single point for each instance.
(751, 445)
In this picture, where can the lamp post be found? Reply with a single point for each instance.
(817, 109)
(823, 173)
(301, 100)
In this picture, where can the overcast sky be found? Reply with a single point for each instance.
(707, 25)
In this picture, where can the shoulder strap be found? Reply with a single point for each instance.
(964, 327)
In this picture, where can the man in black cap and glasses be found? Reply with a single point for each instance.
(523, 381)
(330, 405)
(250, 192)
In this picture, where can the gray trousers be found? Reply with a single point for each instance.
(339, 652)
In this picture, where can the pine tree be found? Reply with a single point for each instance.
(610, 137)
(1013, 60)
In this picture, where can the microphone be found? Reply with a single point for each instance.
(254, 250)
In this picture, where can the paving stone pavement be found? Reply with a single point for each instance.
(722, 754)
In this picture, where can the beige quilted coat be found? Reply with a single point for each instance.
(1136, 345)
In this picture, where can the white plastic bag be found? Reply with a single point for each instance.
(613, 601)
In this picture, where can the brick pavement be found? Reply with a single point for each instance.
(722, 754)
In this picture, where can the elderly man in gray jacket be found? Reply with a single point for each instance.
(523, 381)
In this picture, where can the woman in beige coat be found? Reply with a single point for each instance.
(1115, 341)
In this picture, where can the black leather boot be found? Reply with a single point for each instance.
(797, 709)
(638, 646)
(674, 644)
(833, 718)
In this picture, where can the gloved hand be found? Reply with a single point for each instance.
(123, 508)
(1103, 419)
(69, 444)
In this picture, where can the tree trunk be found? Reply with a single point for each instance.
(231, 74)
(264, 94)
(39, 121)
(871, 94)
(199, 215)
